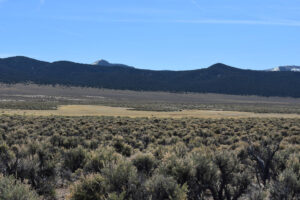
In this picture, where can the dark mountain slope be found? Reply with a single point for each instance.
(108, 64)
(218, 78)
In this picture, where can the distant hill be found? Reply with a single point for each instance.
(108, 64)
(218, 78)
(285, 69)
(102, 62)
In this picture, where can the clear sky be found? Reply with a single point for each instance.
(154, 34)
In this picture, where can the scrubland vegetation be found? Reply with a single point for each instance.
(106, 158)
(46, 97)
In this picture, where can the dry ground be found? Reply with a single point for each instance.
(96, 110)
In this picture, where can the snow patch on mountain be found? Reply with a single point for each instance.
(291, 68)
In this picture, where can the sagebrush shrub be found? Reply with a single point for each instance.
(144, 163)
(92, 187)
(121, 177)
(12, 189)
(75, 159)
(160, 187)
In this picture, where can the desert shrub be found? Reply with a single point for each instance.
(12, 189)
(160, 187)
(57, 140)
(122, 147)
(256, 193)
(30, 164)
(204, 175)
(144, 163)
(7, 159)
(180, 169)
(232, 179)
(208, 156)
(263, 157)
(39, 172)
(221, 174)
(71, 142)
(180, 149)
(75, 159)
(92, 187)
(32, 148)
(288, 185)
(46, 179)
(103, 157)
(115, 196)
(159, 151)
(121, 178)
(93, 144)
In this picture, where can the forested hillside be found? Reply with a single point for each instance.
(218, 78)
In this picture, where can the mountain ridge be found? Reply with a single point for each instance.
(218, 78)
(103, 62)
(288, 68)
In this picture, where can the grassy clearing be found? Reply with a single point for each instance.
(95, 110)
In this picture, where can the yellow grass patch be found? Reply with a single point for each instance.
(95, 110)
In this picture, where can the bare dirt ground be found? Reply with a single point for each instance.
(95, 110)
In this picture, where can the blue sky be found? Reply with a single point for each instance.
(154, 34)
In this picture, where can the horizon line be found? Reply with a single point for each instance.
(216, 63)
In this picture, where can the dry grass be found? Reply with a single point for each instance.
(95, 110)
(41, 97)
